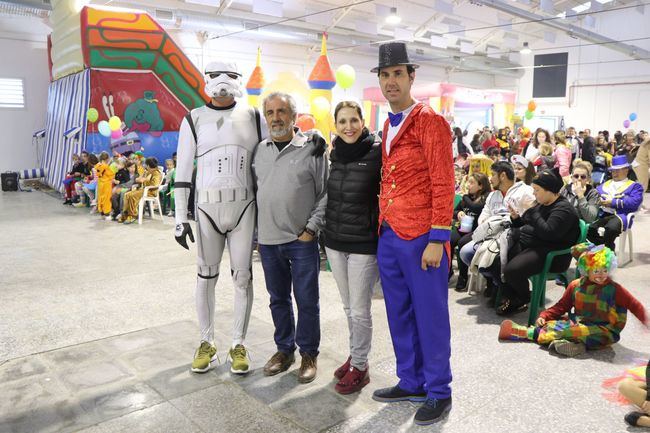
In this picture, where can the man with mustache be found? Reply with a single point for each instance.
(291, 175)
(416, 206)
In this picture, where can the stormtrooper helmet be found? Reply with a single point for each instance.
(222, 79)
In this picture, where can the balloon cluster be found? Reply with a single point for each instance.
(631, 118)
(111, 128)
(532, 106)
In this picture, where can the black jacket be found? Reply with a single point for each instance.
(587, 150)
(352, 214)
(553, 227)
(122, 176)
(470, 207)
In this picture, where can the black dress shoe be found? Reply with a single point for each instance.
(432, 410)
(390, 395)
(461, 284)
(632, 418)
(510, 306)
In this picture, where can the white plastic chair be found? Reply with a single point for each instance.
(155, 199)
(626, 238)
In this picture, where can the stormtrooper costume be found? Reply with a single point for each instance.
(222, 141)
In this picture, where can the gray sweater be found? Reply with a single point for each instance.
(291, 189)
(586, 206)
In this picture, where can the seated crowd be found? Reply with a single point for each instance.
(112, 187)
(521, 196)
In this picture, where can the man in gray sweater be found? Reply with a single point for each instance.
(291, 176)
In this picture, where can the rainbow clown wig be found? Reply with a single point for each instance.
(592, 257)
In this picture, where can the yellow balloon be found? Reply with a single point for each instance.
(320, 107)
(115, 123)
(345, 76)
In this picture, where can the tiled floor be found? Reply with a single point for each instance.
(97, 330)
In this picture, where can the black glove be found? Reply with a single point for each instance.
(182, 231)
(320, 145)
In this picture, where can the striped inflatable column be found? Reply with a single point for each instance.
(67, 104)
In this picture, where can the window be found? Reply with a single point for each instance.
(12, 94)
(550, 75)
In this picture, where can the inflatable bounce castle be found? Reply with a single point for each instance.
(123, 64)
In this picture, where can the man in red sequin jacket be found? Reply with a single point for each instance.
(416, 206)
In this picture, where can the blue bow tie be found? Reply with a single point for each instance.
(395, 119)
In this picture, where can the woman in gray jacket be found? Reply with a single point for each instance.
(581, 193)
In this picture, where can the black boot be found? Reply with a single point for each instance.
(461, 283)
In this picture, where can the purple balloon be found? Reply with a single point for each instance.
(626, 123)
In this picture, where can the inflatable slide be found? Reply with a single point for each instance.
(123, 64)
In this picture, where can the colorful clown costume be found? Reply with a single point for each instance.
(600, 316)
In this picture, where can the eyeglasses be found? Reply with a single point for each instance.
(580, 176)
(214, 75)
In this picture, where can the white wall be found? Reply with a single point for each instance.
(26, 60)
(282, 57)
(607, 99)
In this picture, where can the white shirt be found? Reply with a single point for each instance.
(519, 197)
(531, 153)
(394, 130)
(611, 189)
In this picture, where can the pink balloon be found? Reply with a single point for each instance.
(116, 135)
(626, 123)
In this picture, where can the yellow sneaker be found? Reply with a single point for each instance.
(239, 361)
(203, 357)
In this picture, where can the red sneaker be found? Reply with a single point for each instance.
(353, 381)
(340, 372)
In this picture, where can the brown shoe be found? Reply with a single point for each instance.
(278, 363)
(307, 372)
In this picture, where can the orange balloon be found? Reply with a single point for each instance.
(305, 122)
(532, 105)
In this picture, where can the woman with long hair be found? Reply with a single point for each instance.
(466, 212)
(524, 169)
(531, 151)
(562, 154)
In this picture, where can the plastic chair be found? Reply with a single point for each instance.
(154, 199)
(457, 199)
(626, 238)
(538, 296)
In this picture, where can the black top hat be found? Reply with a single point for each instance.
(393, 54)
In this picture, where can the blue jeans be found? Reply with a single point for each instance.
(295, 263)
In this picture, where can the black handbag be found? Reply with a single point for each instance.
(9, 181)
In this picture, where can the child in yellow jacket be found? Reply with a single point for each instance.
(105, 178)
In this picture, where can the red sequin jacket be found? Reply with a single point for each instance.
(417, 182)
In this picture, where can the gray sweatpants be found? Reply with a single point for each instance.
(356, 275)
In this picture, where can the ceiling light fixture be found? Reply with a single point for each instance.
(526, 49)
(393, 18)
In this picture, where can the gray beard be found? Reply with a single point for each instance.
(279, 133)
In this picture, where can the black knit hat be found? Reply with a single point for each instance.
(550, 180)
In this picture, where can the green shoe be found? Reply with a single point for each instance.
(238, 357)
(203, 357)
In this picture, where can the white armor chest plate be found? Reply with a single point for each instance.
(226, 140)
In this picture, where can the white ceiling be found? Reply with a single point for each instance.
(452, 25)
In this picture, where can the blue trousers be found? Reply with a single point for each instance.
(418, 315)
(294, 264)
